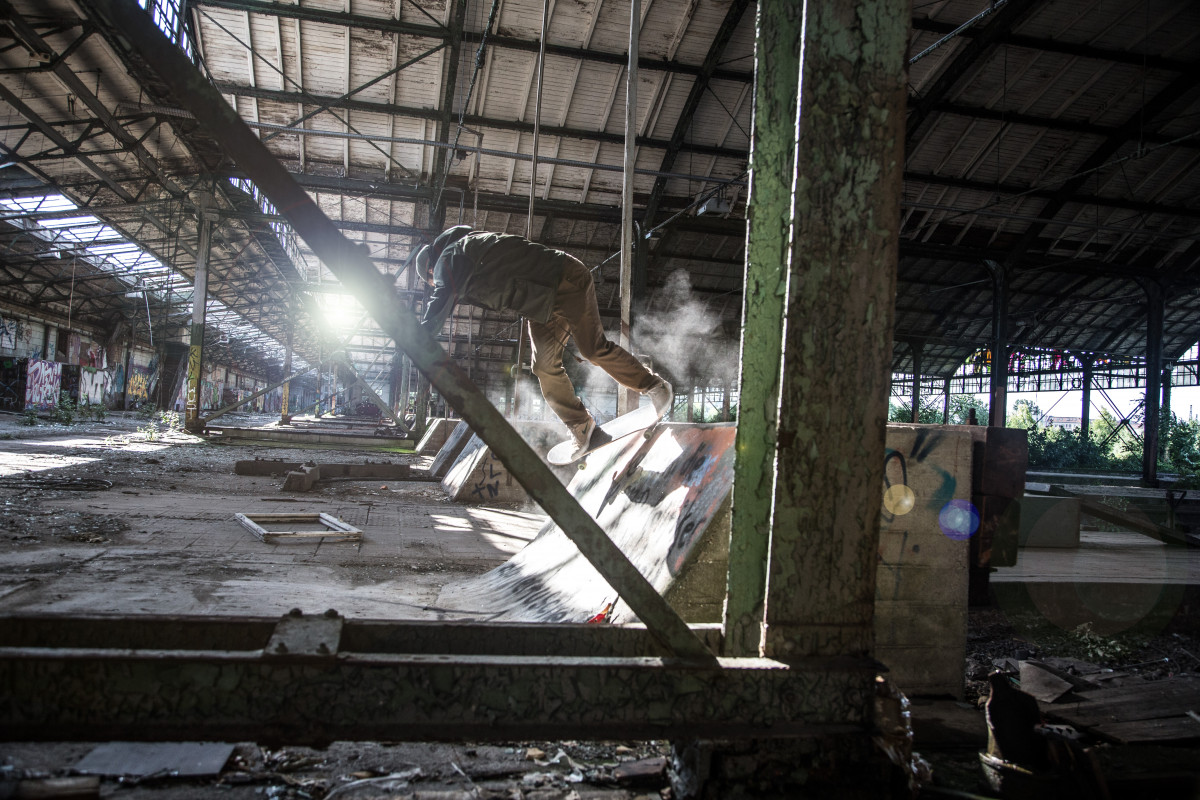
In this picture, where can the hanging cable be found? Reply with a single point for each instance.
(462, 114)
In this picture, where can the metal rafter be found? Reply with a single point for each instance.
(365, 22)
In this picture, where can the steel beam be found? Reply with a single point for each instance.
(136, 37)
(319, 678)
(364, 22)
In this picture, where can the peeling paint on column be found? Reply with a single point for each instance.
(838, 336)
(777, 62)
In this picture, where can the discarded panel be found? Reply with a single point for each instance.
(139, 759)
(334, 530)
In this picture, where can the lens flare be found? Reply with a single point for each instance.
(959, 520)
(899, 500)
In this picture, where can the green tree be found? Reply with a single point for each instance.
(902, 412)
(1025, 414)
(960, 409)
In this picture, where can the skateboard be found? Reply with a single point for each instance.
(640, 419)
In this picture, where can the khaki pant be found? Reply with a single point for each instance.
(576, 315)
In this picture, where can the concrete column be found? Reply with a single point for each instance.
(998, 407)
(916, 350)
(1154, 356)
(838, 336)
(192, 420)
(769, 210)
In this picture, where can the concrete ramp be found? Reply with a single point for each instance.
(437, 431)
(477, 476)
(450, 450)
(664, 500)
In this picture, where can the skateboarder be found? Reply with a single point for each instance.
(550, 288)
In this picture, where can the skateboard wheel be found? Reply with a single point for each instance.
(583, 465)
(646, 434)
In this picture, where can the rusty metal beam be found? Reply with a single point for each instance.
(312, 679)
(132, 33)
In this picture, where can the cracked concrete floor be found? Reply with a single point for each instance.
(163, 539)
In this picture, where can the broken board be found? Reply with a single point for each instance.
(656, 498)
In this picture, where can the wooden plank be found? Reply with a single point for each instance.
(1139, 702)
(1153, 730)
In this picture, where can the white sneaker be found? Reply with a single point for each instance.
(582, 434)
(662, 396)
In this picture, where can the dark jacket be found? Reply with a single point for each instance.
(494, 271)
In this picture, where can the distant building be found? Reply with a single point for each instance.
(1066, 423)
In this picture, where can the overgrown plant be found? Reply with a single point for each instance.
(30, 417)
(64, 410)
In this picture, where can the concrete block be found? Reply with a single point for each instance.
(926, 526)
(1049, 521)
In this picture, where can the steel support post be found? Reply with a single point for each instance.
(946, 402)
(917, 350)
(1085, 414)
(1154, 357)
(625, 397)
(220, 412)
(778, 28)
(838, 329)
(195, 363)
(998, 405)
(351, 264)
(285, 416)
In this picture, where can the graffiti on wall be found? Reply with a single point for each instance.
(42, 383)
(140, 383)
(14, 333)
(93, 385)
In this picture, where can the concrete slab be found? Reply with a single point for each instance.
(658, 498)
(453, 445)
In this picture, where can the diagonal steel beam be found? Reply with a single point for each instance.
(986, 38)
(25, 33)
(350, 263)
(729, 25)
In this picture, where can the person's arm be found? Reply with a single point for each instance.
(442, 299)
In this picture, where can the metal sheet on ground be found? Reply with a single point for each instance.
(655, 498)
(175, 759)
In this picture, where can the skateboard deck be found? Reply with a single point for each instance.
(617, 428)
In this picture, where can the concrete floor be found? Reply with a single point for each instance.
(164, 540)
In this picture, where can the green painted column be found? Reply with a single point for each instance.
(838, 329)
(769, 209)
